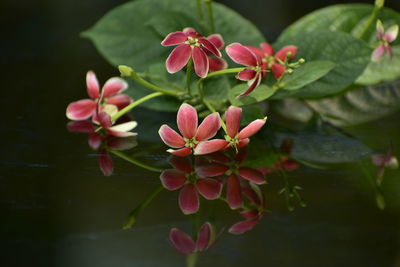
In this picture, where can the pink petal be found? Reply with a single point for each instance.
(170, 137)
(252, 195)
(391, 33)
(181, 241)
(105, 163)
(380, 29)
(200, 61)
(211, 170)
(114, 86)
(189, 199)
(187, 120)
(85, 126)
(207, 147)
(246, 75)
(232, 119)
(203, 237)
(257, 51)
(182, 164)
(92, 85)
(178, 58)
(209, 127)
(217, 40)
(252, 128)
(183, 152)
(81, 110)
(248, 214)
(253, 86)
(281, 54)
(241, 54)
(172, 179)
(243, 143)
(209, 46)
(192, 33)
(126, 143)
(277, 70)
(216, 64)
(174, 38)
(94, 141)
(243, 226)
(378, 53)
(290, 165)
(209, 188)
(234, 193)
(105, 119)
(120, 101)
(267, 49)
(251, 175)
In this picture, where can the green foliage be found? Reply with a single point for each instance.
(261, 93)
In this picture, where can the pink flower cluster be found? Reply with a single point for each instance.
(385, 38)
(195, 138)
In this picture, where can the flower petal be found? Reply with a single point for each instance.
(172, 179)
(211, 170)
(241, 54)
(81, 110)
(204, 237)
(251, 175)
(209, 46)
(246, 75)
(114, 86)
(187, 120)
(170, 137)
(105, 163)
(281, 54)
(105, 119)
(243, 143)
(232, 119)
(277, 70)
(267, 49)
(391, 33)
(94, 141)
(85, 126)
(200, 62)
(189, 199)
(248, 214)
(217, 40)
(183, 152)
(252, 128)
(207, 147)
(234, 193)
(120, 101)
(243, 226)
(121, 143)
(174, 38)
(378, 53)
(209, 188)
(253, 85)
(209, 127)
(182, 164)
(178, 58)
(380, 30)
(181, 241)
(123, 129)
(92, 85)
(257, 51)
(216, 64)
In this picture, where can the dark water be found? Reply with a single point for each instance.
(58, 209)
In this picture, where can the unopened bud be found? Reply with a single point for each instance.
(289, 54)
(289, 71)
(302, 61)
(125, 71)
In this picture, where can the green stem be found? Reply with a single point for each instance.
(134, 104)
(132, 218)
(160, 79)
(222, 72)
(199, 10)
(210, 15)
(188, 76)
(370, 21)
(134, 161)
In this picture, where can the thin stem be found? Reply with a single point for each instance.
(370, 21)
(210, 15)
(161, 79)
(225, 71)
(134, 161)
(189, 75)
(200, 10)
(134, 104)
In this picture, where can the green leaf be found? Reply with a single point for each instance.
(216, 91)
(307, 73)
(350, 55)
(261, 93)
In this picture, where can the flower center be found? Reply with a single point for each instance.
(193, 41)
(192, 142)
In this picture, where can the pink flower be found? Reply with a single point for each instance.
(192, 135)
(383, 161)
(259, 62)
(216, 63)
(190, 45)
(385, 38)
(86, 108)
(234, 137)
(192, 182)
(119, 130)
(183, 243)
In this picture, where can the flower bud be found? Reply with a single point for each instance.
(125, 71)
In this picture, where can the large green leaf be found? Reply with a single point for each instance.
(350, 55)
